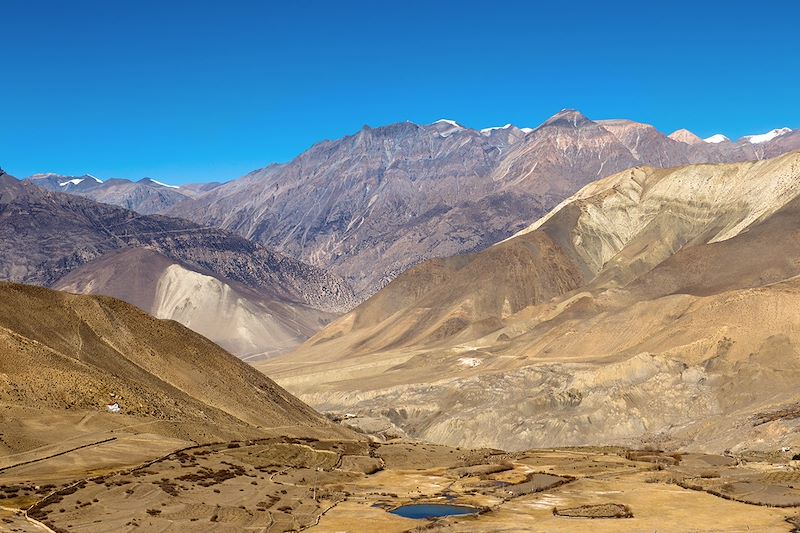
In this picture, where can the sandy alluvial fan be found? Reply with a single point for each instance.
(654, 306)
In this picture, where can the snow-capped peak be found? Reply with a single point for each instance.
(526, 130)
(716, 139)
(98, 180)
(493, 128)
(75, 181)
(448, 121)
(764, 137)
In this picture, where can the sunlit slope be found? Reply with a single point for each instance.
(653, 304)
(63, 353)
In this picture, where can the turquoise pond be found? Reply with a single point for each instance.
(432, 510)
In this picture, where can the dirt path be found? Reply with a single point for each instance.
(24, 514)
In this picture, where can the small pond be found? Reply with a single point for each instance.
(432, 510)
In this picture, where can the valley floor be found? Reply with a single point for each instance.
(97, 472)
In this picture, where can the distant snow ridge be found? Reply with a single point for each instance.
(448, 121)
(75, 181)
(716, 139)
(765, 137)
(164, 184)
(489, 130)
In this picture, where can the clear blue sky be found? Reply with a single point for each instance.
(199, 91)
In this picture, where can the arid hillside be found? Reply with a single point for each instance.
(653, 306)
(111, 419)
(63, 353)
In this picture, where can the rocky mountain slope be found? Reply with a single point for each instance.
(146, 196)
(46, 236)
(372, 204)
(654, 305)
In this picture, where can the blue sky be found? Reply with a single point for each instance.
(200, 91)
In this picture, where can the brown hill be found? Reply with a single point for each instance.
(64, 353)
(46, 235)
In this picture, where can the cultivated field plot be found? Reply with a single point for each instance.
(292, 484)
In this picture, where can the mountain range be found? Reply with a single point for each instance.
(146, 196)
(370, 205)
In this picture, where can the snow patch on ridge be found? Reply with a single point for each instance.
(164, 184)
(75, 181)
(448, 121)
(764, 137)
(716, 139)
(489, 130)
